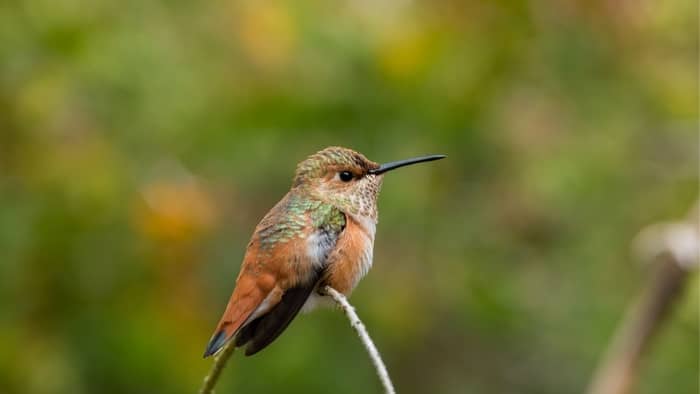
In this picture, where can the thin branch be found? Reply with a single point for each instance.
(221, 359)
(218, 366)
(620, 366)
(673, 248)
(361, 331)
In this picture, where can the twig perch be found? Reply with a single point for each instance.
(218, 366)
(220, 360)
(361, 331)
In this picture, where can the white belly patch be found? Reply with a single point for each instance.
(318, 248)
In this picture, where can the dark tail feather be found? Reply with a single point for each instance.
(262, 331)
(217, 342)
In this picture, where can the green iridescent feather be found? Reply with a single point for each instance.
(289, 220)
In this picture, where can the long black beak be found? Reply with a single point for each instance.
(396, 164)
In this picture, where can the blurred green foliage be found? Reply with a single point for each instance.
(140, 143)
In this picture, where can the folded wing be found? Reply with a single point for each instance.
(283, 264)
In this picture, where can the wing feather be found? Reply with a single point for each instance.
(261, 332)
(280, 270)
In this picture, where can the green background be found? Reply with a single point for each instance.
(141, 142)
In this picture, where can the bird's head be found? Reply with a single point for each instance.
(347, 179)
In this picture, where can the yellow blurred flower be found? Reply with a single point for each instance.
(403, 53)
(175, 211)
(267, 33)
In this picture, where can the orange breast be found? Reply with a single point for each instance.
(351, 258)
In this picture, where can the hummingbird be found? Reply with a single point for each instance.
(321, 233)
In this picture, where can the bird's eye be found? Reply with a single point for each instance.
(345, 176)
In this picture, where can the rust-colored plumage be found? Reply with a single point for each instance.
(320, 233)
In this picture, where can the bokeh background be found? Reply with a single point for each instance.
(141, 141)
